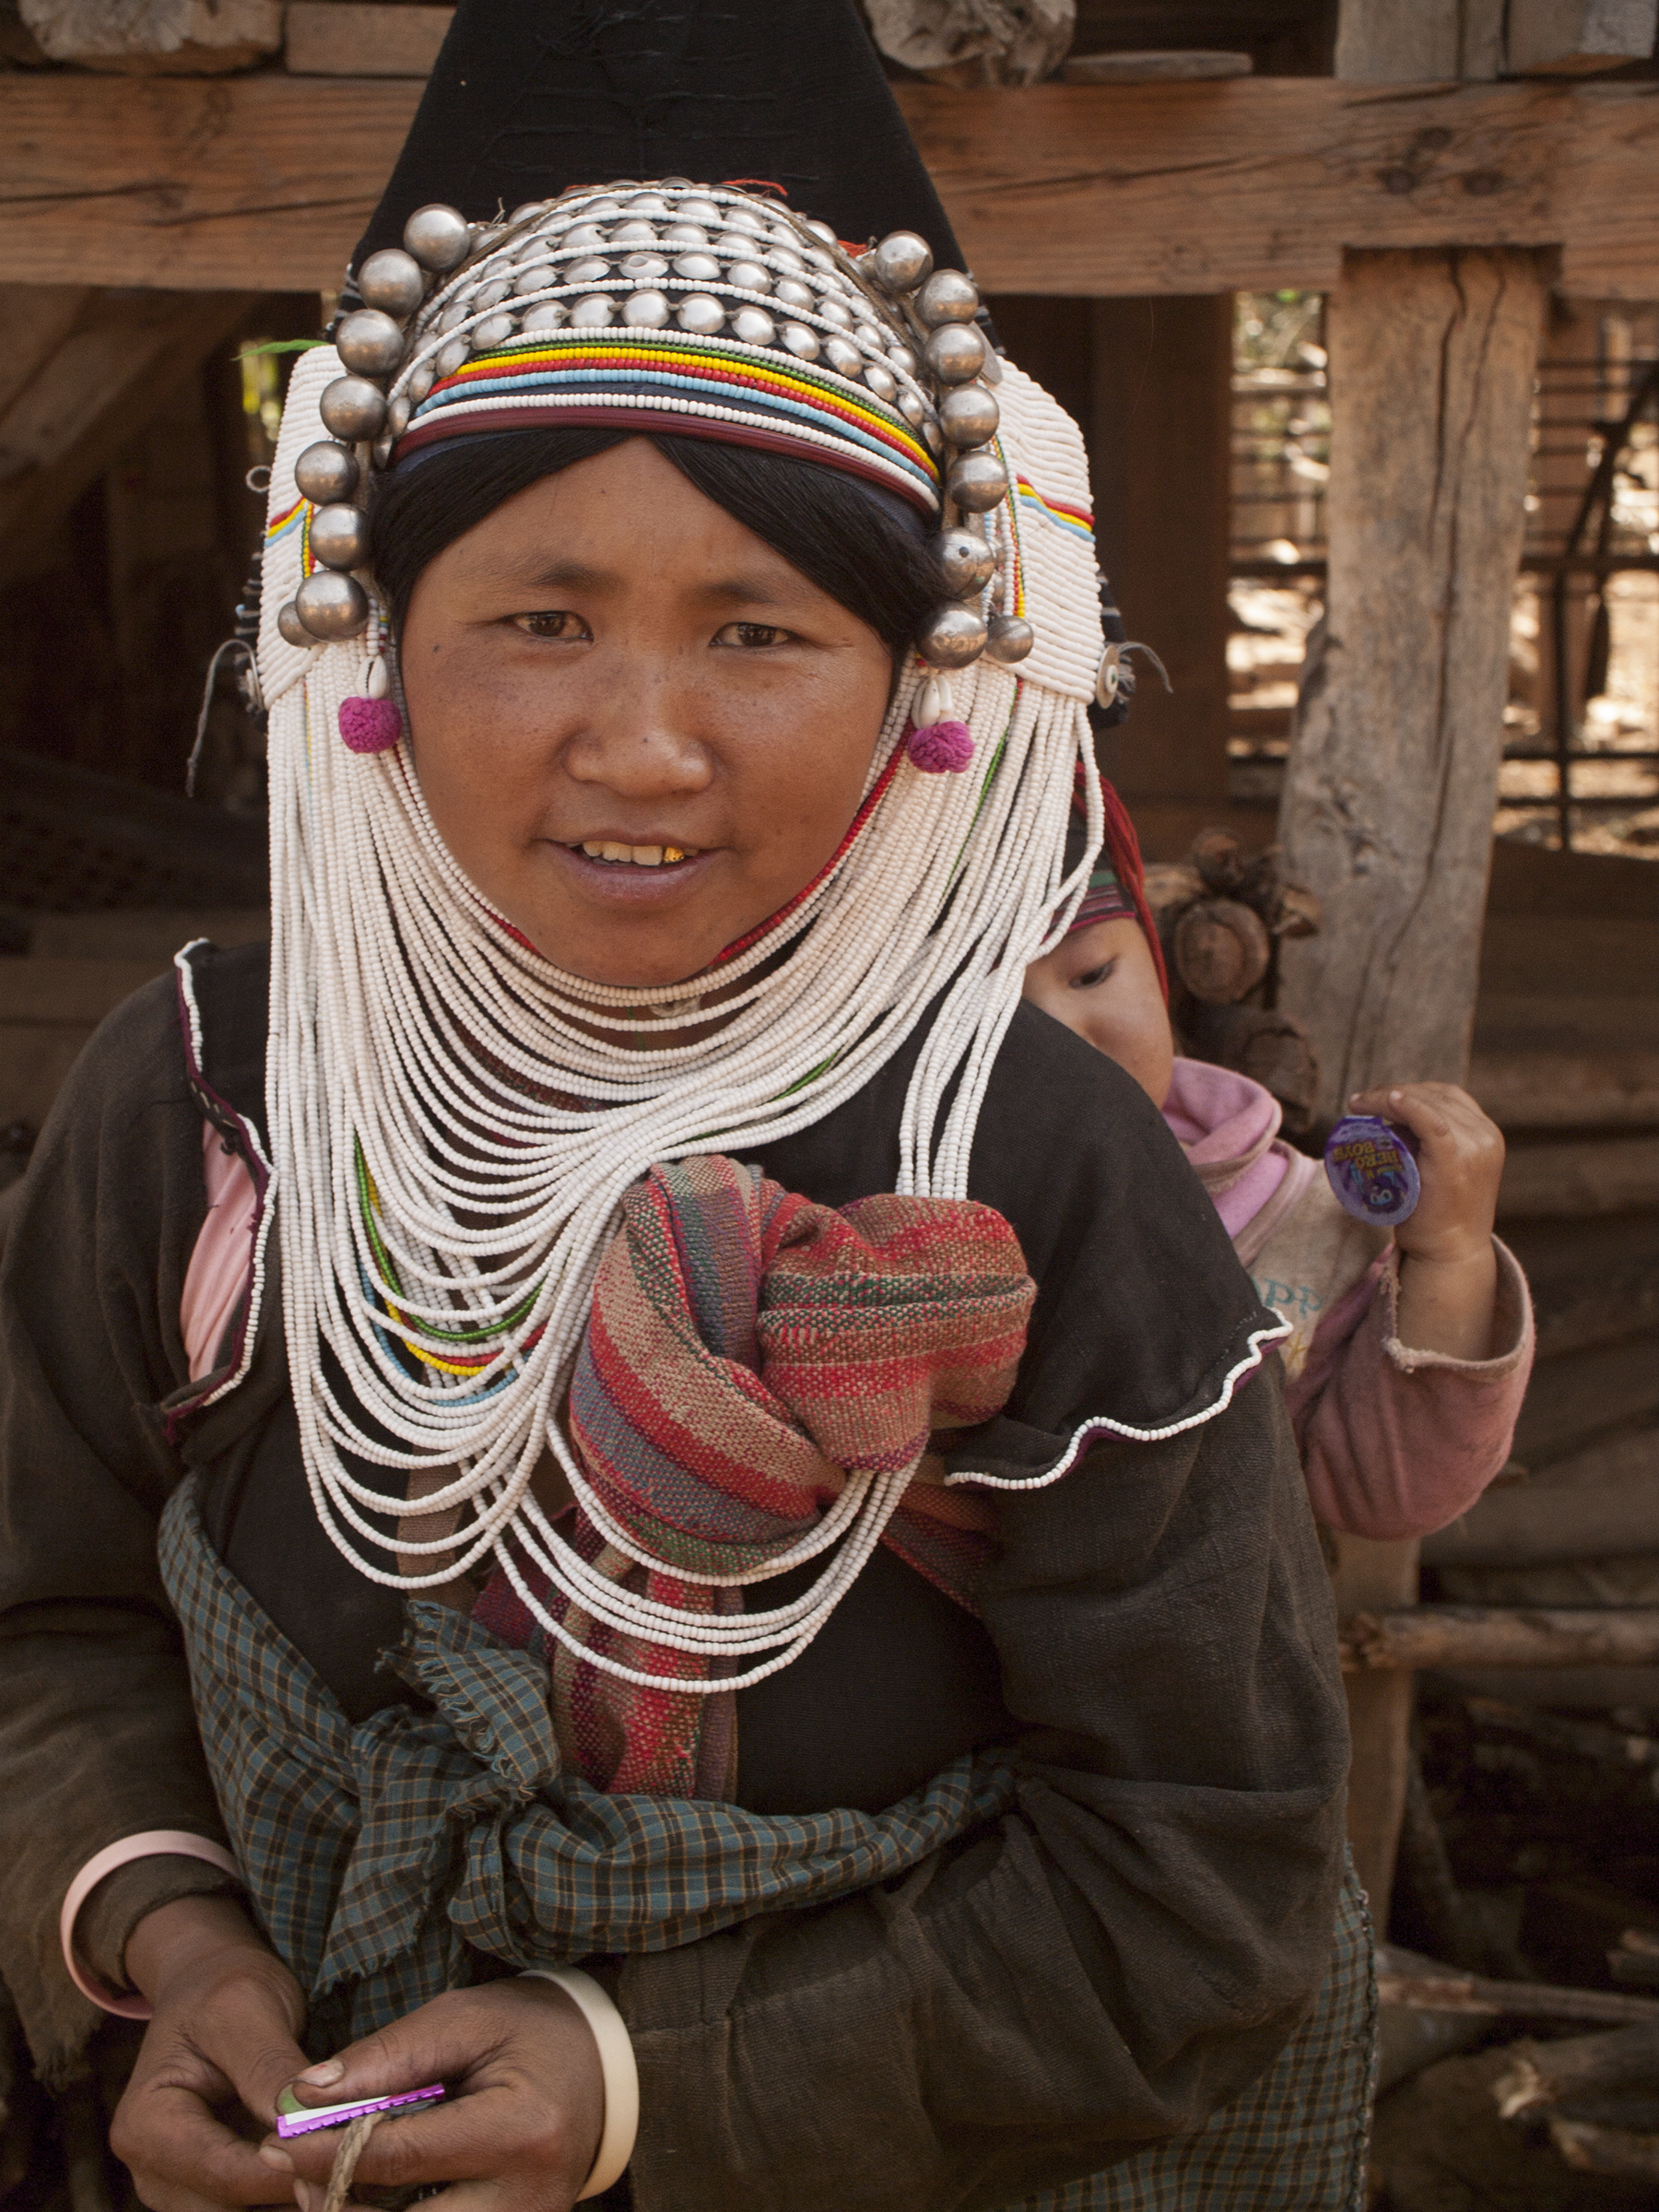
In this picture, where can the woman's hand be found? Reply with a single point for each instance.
(1449, 1270)
(227, 2016)
(520, 2126)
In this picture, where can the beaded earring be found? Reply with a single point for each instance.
(371, 724)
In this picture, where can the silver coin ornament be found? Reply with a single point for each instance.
(969, 414)
(976, 481)
(966, 561)
(353, 408)
(339, 536)
(947, 297)
(955, 352)
(438, 237)
(1008, 639)
(290, 629)
(331, 605)
(951, 637)
(902, 260)
(678, 254)
(325, 472)
(393, 281)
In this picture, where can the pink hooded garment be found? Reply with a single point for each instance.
(1395, 1443)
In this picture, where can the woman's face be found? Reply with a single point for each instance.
(1100, 981)
(640, 731)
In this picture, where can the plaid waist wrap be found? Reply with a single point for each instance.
(747, 1355)
(386, 1861)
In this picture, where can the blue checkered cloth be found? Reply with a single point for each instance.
(1296, 2140)
(384, 1859)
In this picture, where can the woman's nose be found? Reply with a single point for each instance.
(638, 740)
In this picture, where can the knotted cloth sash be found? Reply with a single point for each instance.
(748, 1353)
(392, 1859)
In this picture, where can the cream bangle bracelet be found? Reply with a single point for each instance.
(617, 2064)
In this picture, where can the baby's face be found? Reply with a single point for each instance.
(1101, 983)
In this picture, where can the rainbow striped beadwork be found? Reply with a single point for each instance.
(578, 376)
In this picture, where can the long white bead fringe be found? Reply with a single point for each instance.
(428, 1073)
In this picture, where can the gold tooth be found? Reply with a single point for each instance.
(671, 853)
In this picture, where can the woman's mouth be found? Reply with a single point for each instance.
(636, 856)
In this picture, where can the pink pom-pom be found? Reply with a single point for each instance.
(940, 748)
(369, 725)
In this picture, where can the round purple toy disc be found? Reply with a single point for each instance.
(1371, 1170)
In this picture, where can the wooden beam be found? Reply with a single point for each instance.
(1439, 1636)
(266, 180)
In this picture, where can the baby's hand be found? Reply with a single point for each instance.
(1448, 1294)
(1460, 1160)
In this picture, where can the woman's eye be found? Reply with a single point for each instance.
(560, 624)
(751, 635)
(1095, 977)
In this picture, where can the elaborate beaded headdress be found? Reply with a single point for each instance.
(707, 310)
(453, 1118)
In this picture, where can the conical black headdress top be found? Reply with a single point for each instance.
(532, 96)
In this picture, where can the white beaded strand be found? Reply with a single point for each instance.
(415, 1042)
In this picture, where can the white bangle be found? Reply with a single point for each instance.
(617, 2064)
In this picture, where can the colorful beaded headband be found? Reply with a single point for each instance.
(670, 306)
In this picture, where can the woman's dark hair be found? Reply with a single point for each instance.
(865, 547)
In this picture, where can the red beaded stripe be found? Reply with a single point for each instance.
(665, 422)
(494, 366)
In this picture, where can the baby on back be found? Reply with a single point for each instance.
(1409, 1350)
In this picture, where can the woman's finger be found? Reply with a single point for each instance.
(470, 2136)
(182, 2157)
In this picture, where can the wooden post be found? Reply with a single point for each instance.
(1159, 432)
(1393, 776)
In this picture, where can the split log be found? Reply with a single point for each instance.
(1635, 1958)
(1596, 2148)
(1271, 1048)
(1221, 950)
(1518, 2000)
(1584, 1739)
(1171, 886)
(1443, 1636)
(1582, 2065)
(974, 41)
(164, 37)
(1393, 774)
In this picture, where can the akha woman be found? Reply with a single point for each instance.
(629, 1489)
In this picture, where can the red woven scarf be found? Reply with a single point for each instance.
(746, 1351)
